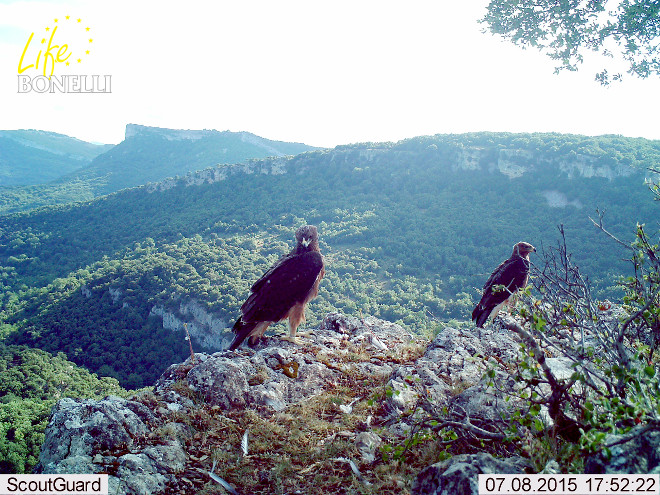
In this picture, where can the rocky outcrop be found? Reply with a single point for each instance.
(143, 444)
(557, 199)
(514, 163)
(460, 474)
(143, 448)
(269, 166)
(639, 455)
(278, 374)
(588, 167)
(450, 372)
(109, 436)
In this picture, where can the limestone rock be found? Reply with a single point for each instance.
(88, 436)
(451, 371)
(80, 428)
(142, 447)
(640, 455)
(367, 444)
(460, 474)
(277, 374)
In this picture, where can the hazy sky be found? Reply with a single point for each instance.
(322, 73)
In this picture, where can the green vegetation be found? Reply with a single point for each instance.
(31, 381)
(148, 154)
(409, 230)
(611, 398)
(172, 153)
(566, 30)
(35, 157)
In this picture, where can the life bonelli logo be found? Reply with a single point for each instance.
(55, 59)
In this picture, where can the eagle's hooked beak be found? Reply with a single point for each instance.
(305, 242)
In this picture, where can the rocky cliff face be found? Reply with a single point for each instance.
(275, 166)
(294, 419)
(511, 162)
(515, 163)
(205, 327)
(154, 443)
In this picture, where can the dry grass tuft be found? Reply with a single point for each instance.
(300, 449)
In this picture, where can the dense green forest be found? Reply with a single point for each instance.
(31, 381)
(410, 231)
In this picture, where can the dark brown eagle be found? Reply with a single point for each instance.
(283, 291)
(512, 274)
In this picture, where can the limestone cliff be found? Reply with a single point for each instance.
(206, 328)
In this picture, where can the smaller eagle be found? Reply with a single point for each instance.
(283, 291)
(513, 274)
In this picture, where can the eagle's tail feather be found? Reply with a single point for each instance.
(480, 314)
(242, 330)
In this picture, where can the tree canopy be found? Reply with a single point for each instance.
(566, 29)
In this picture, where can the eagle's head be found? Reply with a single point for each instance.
(523, 249)
(308, 238)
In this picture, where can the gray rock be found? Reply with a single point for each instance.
(222, 381)
(81, 431)
(367, 444)
(450, 373)
(260, 377)
(640, 455)
(80, 428)
(143, 449)
(460, 474)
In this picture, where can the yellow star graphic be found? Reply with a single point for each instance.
(67, 18)
(47, 29)
(78, 60)
(55, 20)
(43, 40)
(87, 52)
(86, 29)
(78, 20)
(90, 40)
(67, 64)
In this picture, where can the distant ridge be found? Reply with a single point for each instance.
(412, 230)
(147, 154)
(151, 154)
(273, 148)
(29, 156)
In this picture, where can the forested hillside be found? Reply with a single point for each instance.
(31, 381)
(410, 232)
(29, 157)
(147, 154)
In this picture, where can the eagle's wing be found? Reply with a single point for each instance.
(496, 273)
(287, 283)
(512, 273)
(283, 259)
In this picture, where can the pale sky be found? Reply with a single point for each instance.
(322, 73)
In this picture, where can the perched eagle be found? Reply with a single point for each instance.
(283, 291)
(512, 274)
